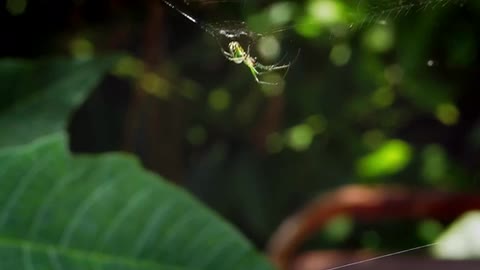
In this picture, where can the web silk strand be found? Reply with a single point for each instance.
(381, 257)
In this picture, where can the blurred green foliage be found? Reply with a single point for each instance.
(104, 211)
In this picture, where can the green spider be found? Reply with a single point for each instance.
(238, 55)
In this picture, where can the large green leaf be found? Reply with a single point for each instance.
(105, 212)
(37, 97)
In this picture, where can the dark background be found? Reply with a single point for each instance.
(401, 108)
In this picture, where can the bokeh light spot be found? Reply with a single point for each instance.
(269, 48)
(81, 48)
(273, 90)
(155, 85)
(428, 230)
(325, 11)
(379, 38)
(129, 66)
(196, 135)
(281, 12)
(308, 27)
(383, 97)
(447, 113)
(340, 54)
(339, 228)
(300, 137)
(390, 158)
(219, 99)
(16, 7)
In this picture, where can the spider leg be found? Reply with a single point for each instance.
(263, 82)
(255, 74)
(226, 54)
(248, 49)
(266, 69)
(277, 66)
(230, 57)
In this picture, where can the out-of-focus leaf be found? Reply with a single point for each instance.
(105, 212)
(38, 97)
(461, 240)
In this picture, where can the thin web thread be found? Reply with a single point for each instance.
(383, 9)
(382, 256)
(372, 10)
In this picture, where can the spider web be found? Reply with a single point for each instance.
(364, 12)
(227, 31)
(382, 10)
(268, 46)
(224, 31)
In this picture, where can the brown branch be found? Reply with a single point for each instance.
(154, 127)
(365, 204)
